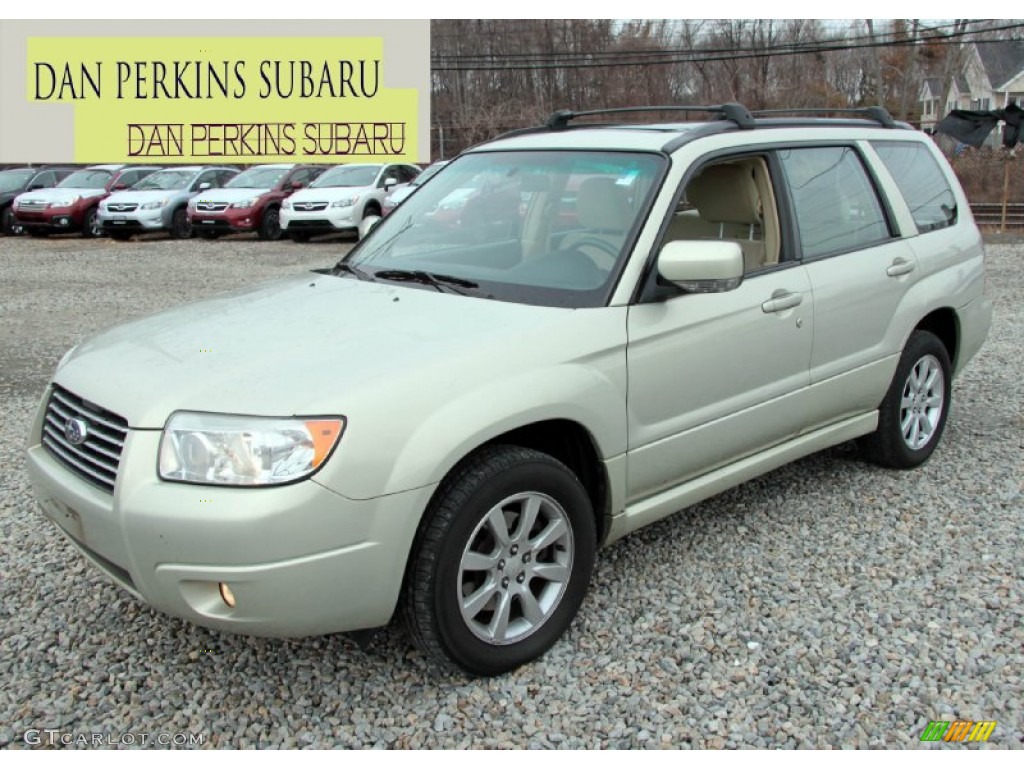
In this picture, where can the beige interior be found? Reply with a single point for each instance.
(732, 201)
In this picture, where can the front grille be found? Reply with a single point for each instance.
(97, 458)
(305, 207)
(211, 207)
(32, 205)
(122, 207)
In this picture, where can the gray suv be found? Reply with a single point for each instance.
(159, 202)
(569, 333)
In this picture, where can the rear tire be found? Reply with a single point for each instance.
(501, 562)
(912, 417)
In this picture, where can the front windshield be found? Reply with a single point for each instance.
(348, 176)
(257, 178)
(166, 180)
(86, 179)
(427, 173)
(544, 227)
(12, 180)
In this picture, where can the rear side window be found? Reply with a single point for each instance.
(837, 208)
(921, 182)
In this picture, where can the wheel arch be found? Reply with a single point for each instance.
(944, 324)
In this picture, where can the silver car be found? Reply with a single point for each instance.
(613, 324)
(159, 202)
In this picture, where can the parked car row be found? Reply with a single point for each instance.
(293, 200)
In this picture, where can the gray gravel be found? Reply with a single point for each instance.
(828, 604)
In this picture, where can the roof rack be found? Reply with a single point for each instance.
(878, 114)
(737, 113)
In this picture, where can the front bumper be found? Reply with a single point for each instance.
(226, 221)
(300, 559)
(327, 220)
(51, 220)
(134, 221)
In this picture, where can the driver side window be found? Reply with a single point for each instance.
(732, 200)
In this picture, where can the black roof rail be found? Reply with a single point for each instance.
(737, 113)
(878, 114)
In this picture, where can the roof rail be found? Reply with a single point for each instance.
(878, 114)
(737, 113)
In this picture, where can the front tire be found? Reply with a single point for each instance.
(501, 562)
(270, 225)
(181, 226)
(912, 417)
(91, 226)
(9, 223)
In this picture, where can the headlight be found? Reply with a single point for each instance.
(347, 202)
(153, 205)
(64, 203)
(245, 203)
(215, 449)
(287, 205)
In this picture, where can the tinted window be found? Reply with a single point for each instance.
(837, 208)
(921, 182)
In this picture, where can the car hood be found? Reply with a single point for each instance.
(399, 194)
(307, 345)
(143, 195)
(328, 193)
(229, 195)
(49, 194)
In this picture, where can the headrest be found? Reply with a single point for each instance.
(601, 204)
(725, 193)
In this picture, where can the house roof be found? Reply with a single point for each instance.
(961, 84)
(1002, 59)
(934, 86)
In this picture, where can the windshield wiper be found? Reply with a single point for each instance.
(438, 281)
(343, 267)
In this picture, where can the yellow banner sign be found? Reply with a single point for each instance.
(226, 99)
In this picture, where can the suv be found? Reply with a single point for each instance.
(623, 321)
(251, 201)
(73, 205)
(158, 202)
(341, 198)
(14, 181)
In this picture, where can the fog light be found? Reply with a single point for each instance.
(227, 595)
(64, 221)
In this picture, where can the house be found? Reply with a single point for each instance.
(992, 77)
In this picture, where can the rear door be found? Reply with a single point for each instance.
(859, 270)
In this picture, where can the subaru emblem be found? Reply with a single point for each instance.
(76, 430)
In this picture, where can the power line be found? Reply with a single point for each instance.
(678, 56)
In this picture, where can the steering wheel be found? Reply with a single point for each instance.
(608, 252)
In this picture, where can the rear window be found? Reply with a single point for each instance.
(921, 182)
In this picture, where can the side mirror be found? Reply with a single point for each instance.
(118, 187)
(702, 266)
(367, 225)
(389, 182)
(205, 186)
(296, 185)
(34, 187)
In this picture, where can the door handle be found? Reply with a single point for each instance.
(900, 266)
(782, 300)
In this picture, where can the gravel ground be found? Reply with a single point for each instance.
(827, 604)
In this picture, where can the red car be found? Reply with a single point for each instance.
(250, 202)
(72, 205)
